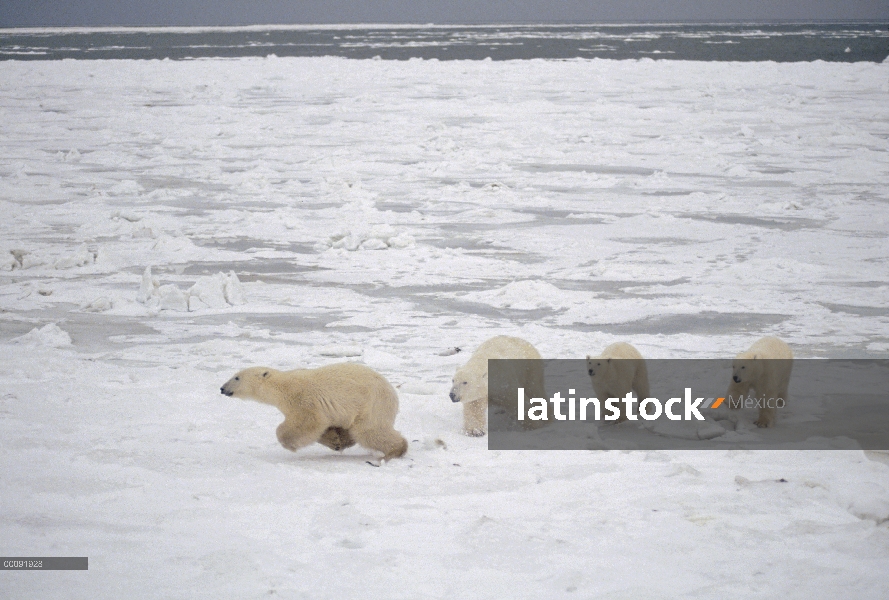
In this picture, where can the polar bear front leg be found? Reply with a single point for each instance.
(766, 417)
(474, 415)
(736, 394)
(769, 416)
(294, 435)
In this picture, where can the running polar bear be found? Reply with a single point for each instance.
(336, 405)
(470, 384)
(619, 369)
(765, 367)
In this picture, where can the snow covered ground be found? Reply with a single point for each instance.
(167, 223)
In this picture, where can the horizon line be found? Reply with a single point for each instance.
(430, 25)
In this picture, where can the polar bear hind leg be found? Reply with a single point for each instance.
(337, 438)
(388, 441)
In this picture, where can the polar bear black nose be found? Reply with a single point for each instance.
(453, 397)
(736, 379)
(591, 373)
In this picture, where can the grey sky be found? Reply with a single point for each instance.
(42, 13)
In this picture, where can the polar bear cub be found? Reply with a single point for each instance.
(619, 369)
(470, 383)
(764, 367)
(335, 405)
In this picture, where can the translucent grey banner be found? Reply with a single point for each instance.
(803, 404)
(44, 563)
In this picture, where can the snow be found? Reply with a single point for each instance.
(168, 223)
(49, 335)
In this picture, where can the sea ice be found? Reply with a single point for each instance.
(382, 211)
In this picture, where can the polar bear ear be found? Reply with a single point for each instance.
(266, 374)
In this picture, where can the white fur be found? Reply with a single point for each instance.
(335, 405)
(470, 384)
(618, 370)
(765, 368)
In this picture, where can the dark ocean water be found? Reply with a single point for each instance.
(781, 43)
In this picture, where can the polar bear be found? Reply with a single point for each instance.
(765, 367)
(470, 384)
(619, 369)
(336, 405)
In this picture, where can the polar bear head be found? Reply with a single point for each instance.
(250, 383)
(597, 366)
(746, 368)
(469, 385)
